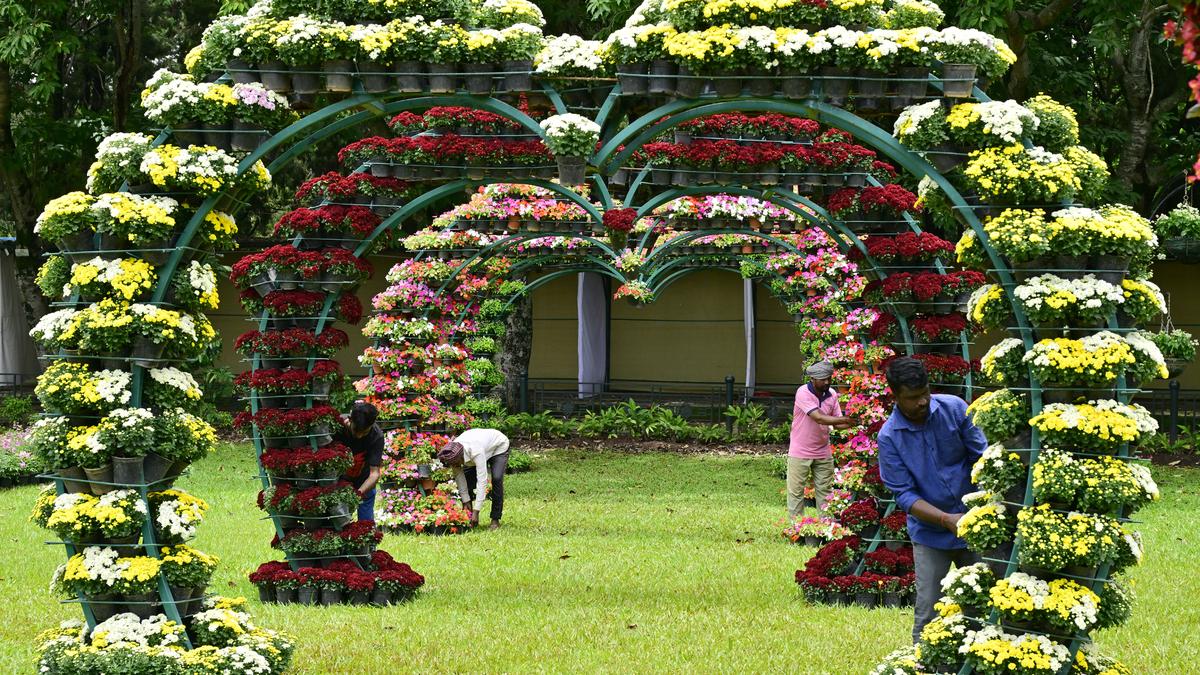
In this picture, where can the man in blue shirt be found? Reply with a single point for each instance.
(926, 450)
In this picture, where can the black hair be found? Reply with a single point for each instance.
(907, 373)
(363, 415)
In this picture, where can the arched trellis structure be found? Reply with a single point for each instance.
(360, 108)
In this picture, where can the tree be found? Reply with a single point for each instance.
(69, 74)
(1105, 59)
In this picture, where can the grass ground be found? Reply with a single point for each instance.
(607, 562)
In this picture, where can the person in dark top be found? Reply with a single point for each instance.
(926, 450)
(365, 439)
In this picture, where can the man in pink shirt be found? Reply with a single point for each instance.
(809, 455)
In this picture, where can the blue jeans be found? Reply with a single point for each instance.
(366, 508)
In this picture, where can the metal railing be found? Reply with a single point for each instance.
(696, 401)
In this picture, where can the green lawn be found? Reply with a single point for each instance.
(607, 562)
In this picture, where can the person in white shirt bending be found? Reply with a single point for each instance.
(485, 453)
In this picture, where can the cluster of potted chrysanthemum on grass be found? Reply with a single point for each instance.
(379, 580)
(1058, 483)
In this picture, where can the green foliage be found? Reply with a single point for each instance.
(1187, 442)
(750, 425)
(540, 426)
(629, 420)
(779, 466)
(483, 408)
(1176, 344)
(1181, 221)
(16, 410)
(53, 275)
(519, 461)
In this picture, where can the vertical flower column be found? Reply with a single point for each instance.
(421, 376)
(298, 290)
(1058, 483)
(131, 288)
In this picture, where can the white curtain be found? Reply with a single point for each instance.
(18, 359)
(592, 310)
(748, 326)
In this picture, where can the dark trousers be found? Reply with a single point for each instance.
(931, 565)
(366, 508)
(496, 466)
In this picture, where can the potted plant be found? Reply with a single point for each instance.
(265, 578)
(1179, 231)
(987, 526)
(1094, 361)
(129, 222)
(520, 42)
(1178, 349)
(796, 61)
(894, 529)
(565, 58)
(308, 590)
(1002, 415)
(961, 52)
(131, 431)
(572, 138)
(448, 48)
(68, 220)
(187, 571)
(866, 590)
(359, 586)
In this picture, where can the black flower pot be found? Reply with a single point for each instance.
(339, 76)
(688, 84)
(835, 84)
(958, 80)
(518, 75)
(306, 79)
(662, 77)
(728, 85)
(795, 85)
(241, 71)
(867, 600)
(632, 78)
(479, 78)
(276, 76)
(409, 77)
(870, 89)
(307, 596)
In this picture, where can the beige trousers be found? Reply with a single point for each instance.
(799, 472)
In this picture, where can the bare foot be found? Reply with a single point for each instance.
(495, 525)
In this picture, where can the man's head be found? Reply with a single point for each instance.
(909, 382)
(362, 418)
(819, 375)
(451, 454)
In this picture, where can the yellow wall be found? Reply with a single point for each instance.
(691, 333)
(1180, 282)
(555, 330)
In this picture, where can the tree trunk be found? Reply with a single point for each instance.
(19, 190)
(128, 31)
(515, 350)
(1136, 68)
(1019, 26)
